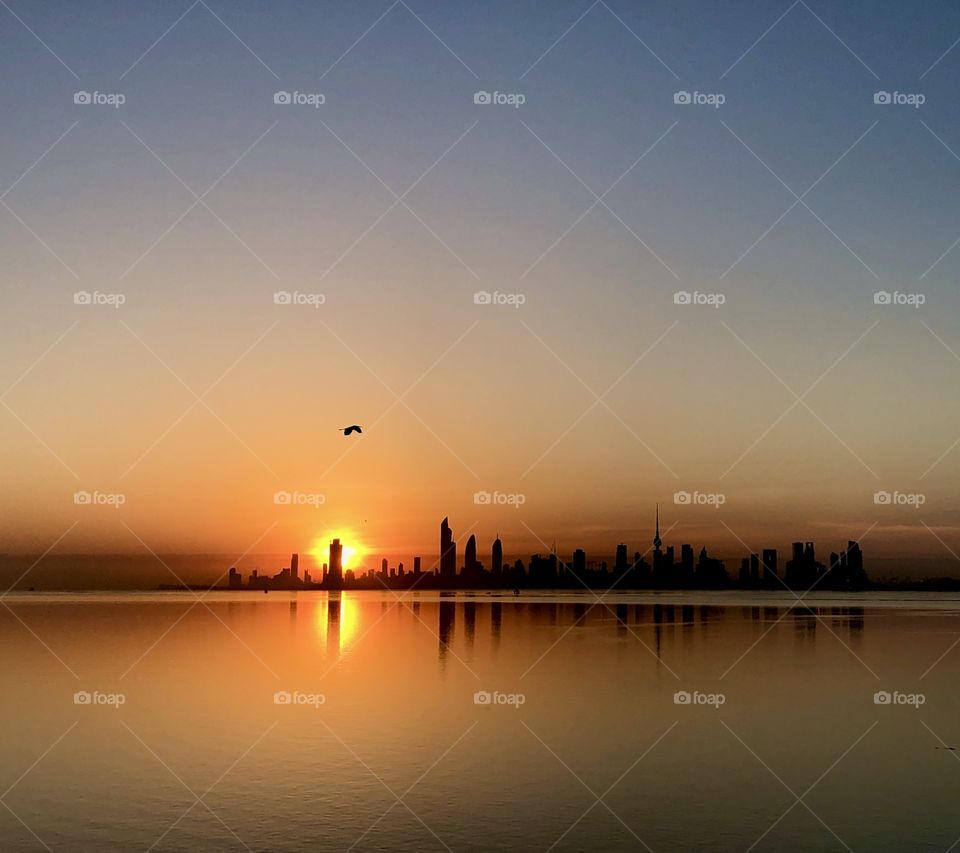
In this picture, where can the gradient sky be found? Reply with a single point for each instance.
(500, 398)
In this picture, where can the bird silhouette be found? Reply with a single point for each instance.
(352, 428)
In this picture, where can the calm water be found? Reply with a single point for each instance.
(782, 746)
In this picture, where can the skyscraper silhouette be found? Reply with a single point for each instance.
(580, 563)
(686, 563)
(659, 563)
(770, 566)
(470, 555)
(294, 566)
(448, 552)
(335, 573)
(496, 557)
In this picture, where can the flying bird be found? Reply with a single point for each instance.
(352, 428)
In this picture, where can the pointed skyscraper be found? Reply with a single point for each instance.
(470, 556)
(496, 557)
(659, 563)
(448, 552)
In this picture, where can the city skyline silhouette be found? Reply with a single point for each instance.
(505, 426)
(666, 569)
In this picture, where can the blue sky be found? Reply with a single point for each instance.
(491, 198)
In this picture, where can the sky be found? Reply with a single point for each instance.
(202, 413)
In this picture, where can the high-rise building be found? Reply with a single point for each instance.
(470, 556)
(659, 564)
(579, 562)
(686, 562)
(656, 536)
(855, 561)
(448, 552)
(335, 572)
(294, 566)
(496, 557)
(770, 565)
(846, 568)
(620, 564)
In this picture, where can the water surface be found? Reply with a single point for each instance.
(583, 745)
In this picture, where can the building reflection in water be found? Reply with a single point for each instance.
(333, 625)
(469, 621)
(447, 615)
(621, 613)
(658, 625)
(496, 620)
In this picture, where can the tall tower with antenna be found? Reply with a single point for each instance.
(658, 562)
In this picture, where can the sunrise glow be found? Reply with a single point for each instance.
(352, 550)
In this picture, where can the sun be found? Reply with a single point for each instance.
(352, 550)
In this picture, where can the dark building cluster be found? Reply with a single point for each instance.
(664, 570)
(803, 571)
